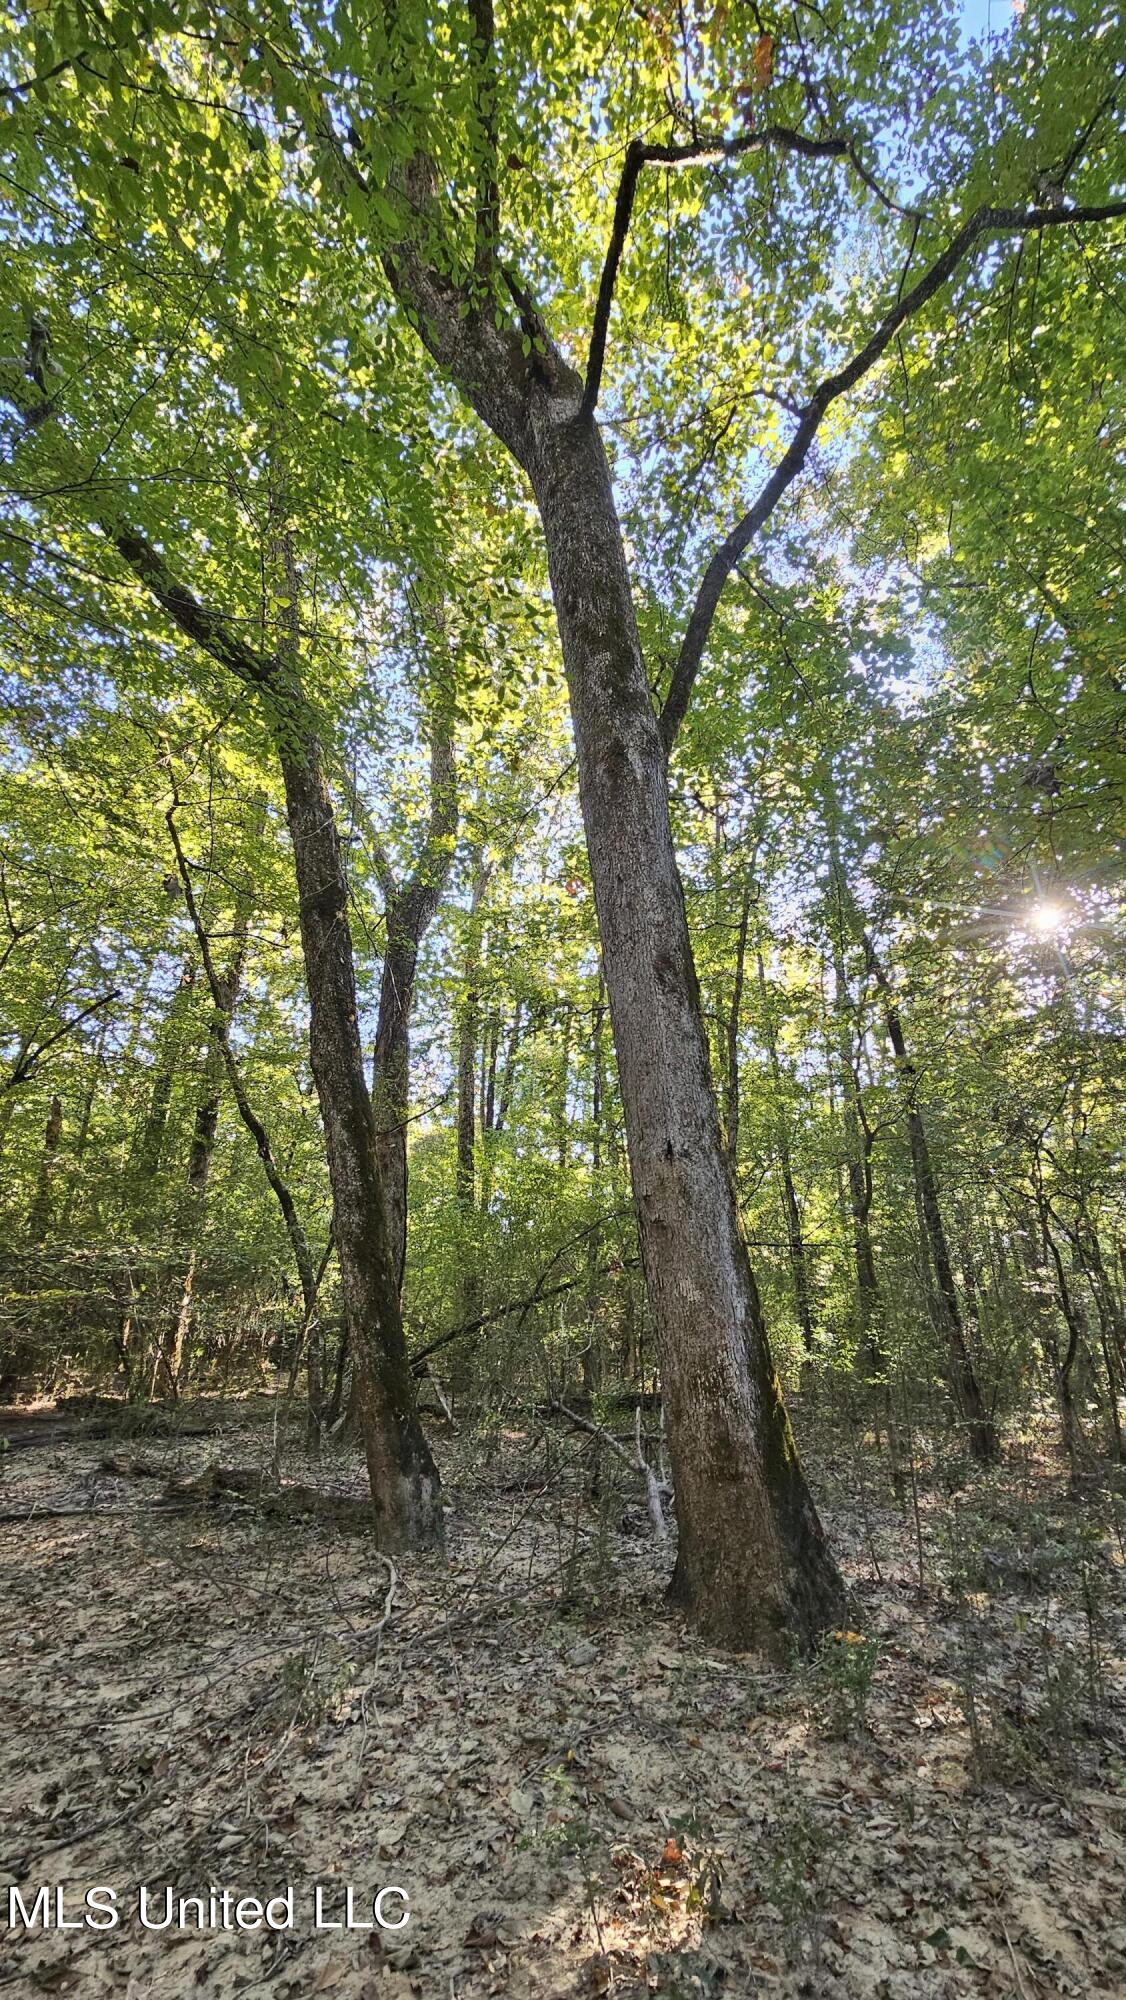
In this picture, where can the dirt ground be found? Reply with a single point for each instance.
(203, 1691)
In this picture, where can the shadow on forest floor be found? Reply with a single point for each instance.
(578, 1796)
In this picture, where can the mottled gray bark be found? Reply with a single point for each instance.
(753, 1565)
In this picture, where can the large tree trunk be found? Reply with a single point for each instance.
(404, 1480)
(753, 1566)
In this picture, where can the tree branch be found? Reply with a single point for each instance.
(419, 897)
(30, 83)
(298, 1241)
(31, 1057)
(23, 387)
(487, 224)
(639, 154)
(984, 222)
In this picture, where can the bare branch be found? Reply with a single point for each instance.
(299, 1242)
(30, 83)
(781, 138)
(984, 223)
(32, 1057)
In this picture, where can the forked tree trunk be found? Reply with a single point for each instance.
(406, 1491)
(753, 1566)
(404, 1480)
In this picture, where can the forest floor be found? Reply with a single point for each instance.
(579, 1797)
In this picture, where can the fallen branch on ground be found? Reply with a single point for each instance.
(658, 1490)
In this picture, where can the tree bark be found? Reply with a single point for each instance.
(858, 1136)
(39, 1216)
(753, 1566)
(981, 1432)
(405, 1488)
(794, 1237)
(465, 1173)
(205, 1130)
(410, 910)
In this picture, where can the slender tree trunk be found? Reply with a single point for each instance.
(39, 1216)
(1112, 1336)
(205, 1130)
(794, 1237)
(731, 1077)
(150, 1141)
(1063, 1365)
(20, 1356)
(469, 1290)
(489, 1078)
(508, 1069)
(85, 1120)
(589, 1357)
(562, 1091)
(391, 1079)
(410, 911)
(858, 1135)
(982, 1435)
